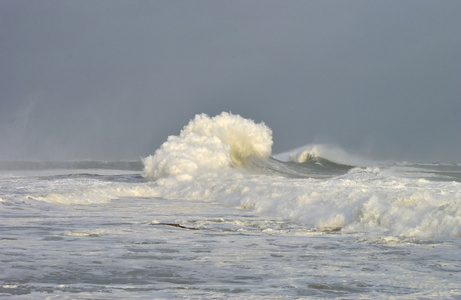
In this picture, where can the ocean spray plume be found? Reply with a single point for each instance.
(209, 143)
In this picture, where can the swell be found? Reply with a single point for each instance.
(317, 167)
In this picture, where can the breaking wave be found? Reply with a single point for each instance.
(230, 141)
(209, 143)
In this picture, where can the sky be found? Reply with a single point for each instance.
(111, 79)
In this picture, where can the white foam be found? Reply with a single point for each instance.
(95, 192)
(362, 200)
(209, 143)
(358, 201)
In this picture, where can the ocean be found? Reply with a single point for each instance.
(213, 213)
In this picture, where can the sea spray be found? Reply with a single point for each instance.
(208, 143)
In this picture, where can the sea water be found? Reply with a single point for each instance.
(214, 214)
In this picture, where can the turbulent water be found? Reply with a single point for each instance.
(213, 214)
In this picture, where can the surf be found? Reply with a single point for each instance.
(227, 159)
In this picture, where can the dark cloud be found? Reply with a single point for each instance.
(112, 79)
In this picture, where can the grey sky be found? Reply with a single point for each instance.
(112, 79)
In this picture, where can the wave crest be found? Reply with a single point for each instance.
(331, 153)
(209, 143)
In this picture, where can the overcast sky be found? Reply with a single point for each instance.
(113, 79)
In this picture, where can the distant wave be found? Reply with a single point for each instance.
(332, 153)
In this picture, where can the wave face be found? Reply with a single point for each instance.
(227, 159)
